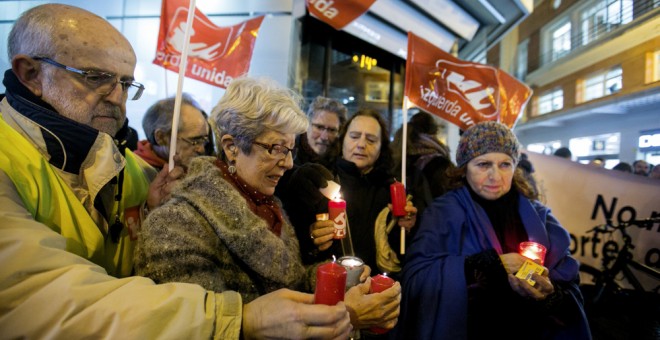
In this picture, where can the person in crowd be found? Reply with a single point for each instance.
(326, 116)
(132, 139)
(623, 166)
(564, 152)
(655, 172)
(427, 160)
(71, 196)
(192, 135)
(641, 167)
(598, 162)
(247, 245)
(527, 169)
(459, 278)
(361, 161)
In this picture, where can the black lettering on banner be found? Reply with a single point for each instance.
(652, 258)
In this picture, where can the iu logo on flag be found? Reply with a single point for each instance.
(216, 55)
(204, 37)
(464, 80)
(461, 92)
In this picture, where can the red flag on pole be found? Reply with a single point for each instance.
(216, 55)
(461, 92)
(338, 13)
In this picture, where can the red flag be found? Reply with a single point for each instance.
(216, 55)
(338, 13)
(461, 92)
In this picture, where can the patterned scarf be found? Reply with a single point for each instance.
(262, 205)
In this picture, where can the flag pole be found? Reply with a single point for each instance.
(179, 88)
(404, 142)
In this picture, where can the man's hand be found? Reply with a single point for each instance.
(286, 314)
(373, 310)
(161, 187)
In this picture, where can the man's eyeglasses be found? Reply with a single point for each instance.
(102, 83)
(320, 128)
(195, 141)
(278, 150)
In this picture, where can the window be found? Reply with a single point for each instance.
(521, 60)
(603, 16)
(653, 66)
(591, 21)
(561, 41)
(552, 100)
(602, 84)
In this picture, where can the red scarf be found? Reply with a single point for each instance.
(147, 153)
(262, 205)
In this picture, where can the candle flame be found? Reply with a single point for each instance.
(334, 259)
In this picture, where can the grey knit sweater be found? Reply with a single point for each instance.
(206, 234)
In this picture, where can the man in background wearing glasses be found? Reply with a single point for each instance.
(71, 197)
(326, 116)
(192, 136)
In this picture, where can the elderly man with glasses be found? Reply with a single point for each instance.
(72, 198)
(192, 136)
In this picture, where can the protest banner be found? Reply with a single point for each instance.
(582, 196)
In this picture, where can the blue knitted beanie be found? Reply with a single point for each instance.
(486, 137)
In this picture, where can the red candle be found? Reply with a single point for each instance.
(330, 284)
(533, 251)
(398, 197)
(337, 212)
(380, 283)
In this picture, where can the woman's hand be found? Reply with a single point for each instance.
(512, 262)
(373, 310)
(322, 234)
(408, 221)
(366, 273)
(541, 289)
(160, 189)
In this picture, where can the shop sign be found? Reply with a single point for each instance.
(649, 142)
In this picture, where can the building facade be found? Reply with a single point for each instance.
(594, 66)
(362, 65)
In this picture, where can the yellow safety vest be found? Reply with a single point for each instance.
(51, 201)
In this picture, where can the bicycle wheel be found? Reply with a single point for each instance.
(592, 284)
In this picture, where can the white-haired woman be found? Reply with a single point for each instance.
(223, 229)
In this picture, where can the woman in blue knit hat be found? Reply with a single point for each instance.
(459, 279)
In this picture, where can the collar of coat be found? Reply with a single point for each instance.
(68, 142)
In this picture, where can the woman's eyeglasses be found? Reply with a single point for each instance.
(277, 150)
(102, 83)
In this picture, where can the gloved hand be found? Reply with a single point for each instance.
(305, 183)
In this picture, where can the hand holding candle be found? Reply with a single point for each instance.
(330, 284)
(379, 283)
(354, 267)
